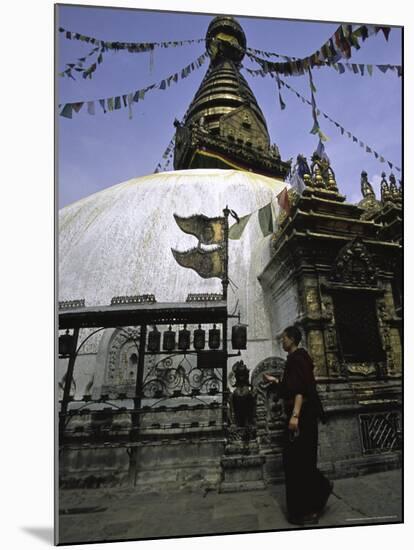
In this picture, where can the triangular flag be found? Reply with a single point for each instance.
(322, 136)
(67, 111)
(266, 219)
(386, 31)
(77, 106)
(283, 201)
(236, 230)
(320, 151)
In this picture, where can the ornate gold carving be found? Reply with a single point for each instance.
(354, 265)
(207, 230)
(316, 350)
(370, 205)
(204, 262)
(396, 351)
(312, 301)
(327, 308)
(322, 174)
(317, 177)
(331, 184)
(369, 202)
(362, 369)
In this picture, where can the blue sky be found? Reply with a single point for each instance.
(95, 152)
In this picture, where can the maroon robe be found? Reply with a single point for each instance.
(307, 490)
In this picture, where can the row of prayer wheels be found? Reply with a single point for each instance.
(200, 338)
(169, 339)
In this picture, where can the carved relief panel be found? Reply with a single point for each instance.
(243, 126)
(122, 362)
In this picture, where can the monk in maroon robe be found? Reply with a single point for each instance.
(307, 489)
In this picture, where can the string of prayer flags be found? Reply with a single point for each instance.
(343, 131)
(338, 46)
(269, 54)
(368, 149)
(78, 65)
(166, 156)
(363, 69)
(114, 103)
(265, 219)
(132, 47)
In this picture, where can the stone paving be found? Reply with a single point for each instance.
(95, 515)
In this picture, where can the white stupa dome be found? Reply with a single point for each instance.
(117, 242)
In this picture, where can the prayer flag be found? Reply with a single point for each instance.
(130, 100)
(77, 106)
(320, 151)
(236, 230)
(283, 201)
(266, 219)
(67, 111)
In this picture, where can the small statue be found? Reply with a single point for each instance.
(274, 150)
(243, 401)
(320, 170)
(202, 124)
(385, 190)
(393, 186)
(366, 187)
